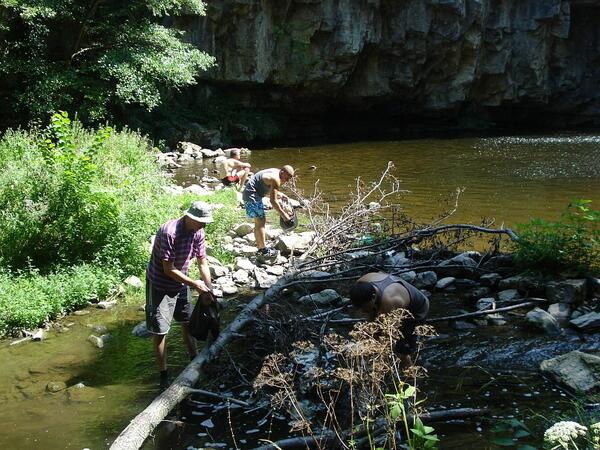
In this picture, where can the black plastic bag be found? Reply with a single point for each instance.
(205, 317)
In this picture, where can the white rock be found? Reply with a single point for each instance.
(218, 271)
(244, 264)
(247, 250)
(197, 190)
(141, 330)
(133, 281)
(275, 270)
(106, 304)
(263, 279)
(240, 276)
(229, 289)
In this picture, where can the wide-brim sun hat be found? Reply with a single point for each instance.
(200, 212)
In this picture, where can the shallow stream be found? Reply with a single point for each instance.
(510, 179)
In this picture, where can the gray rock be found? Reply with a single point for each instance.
(196, 189)
(508, 295)
(263, 279)
(560, 311)
(240, 277)
(409, 277)
(247, 250)
(99, 341)
(396, 260)
(218, 271)
(496, 320)
(589, 322)
(322, 298)
(100, 329)
(444, 282)
(459, 266)
(134, 282)
(544, 321)
(524, 283)
(358, 255)
(106, 304)
(38, 336)
(486, 303)
(425, 280)
(490, 279)
(275, 270)
(577, 370)
(243, 229)
(141, 330)
(594, 286)
(229, 289)
(83, 394)
(567, 291)
(499, 262)
(244, 264)
(296, 242)
(55, 386)
(187, 148)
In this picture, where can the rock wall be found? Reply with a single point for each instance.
(498, 60)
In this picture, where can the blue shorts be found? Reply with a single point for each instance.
(255, 209)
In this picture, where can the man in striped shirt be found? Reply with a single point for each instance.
(168, 294)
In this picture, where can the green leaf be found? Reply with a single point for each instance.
(504, 442)
(526, 447)
(522, 433)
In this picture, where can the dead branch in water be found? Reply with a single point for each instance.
(531, 302)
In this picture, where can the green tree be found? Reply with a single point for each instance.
(93, 56)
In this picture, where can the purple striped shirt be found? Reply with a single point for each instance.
(174, 243)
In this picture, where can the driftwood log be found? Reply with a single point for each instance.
(144, 423)
(303, 442)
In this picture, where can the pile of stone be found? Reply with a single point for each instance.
(246, 271)
(188, 152)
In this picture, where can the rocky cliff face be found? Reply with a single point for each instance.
(378, 62)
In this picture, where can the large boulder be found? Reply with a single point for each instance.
(544, 321)
(567, 291)
(577, 370)
(508, 295)
(490, 279)
(188, 148)
(244, 264)
(133, 282)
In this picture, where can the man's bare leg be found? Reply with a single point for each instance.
(259, 231)
(243, 177)
(189, 340)
(160, 350)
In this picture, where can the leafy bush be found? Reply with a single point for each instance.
(77, 208)
(29, 299)
(570, 243)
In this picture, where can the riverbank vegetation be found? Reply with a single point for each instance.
(77, 208)
(570, 243)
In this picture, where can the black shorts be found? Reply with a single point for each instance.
(163, 307)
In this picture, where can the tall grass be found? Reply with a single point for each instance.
(77, 208)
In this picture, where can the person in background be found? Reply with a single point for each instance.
(234, 171)
(168, 294)
(379, 293)
(265, 182)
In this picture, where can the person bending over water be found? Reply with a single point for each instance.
(379, 293)
(265, 182)
(233, 171)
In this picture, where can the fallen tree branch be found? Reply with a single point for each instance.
(219, 396)
(134, 435)
(531, 302)
(303, 442)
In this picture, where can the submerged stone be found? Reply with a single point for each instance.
(577, 370)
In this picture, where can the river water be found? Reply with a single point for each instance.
(510, 179)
